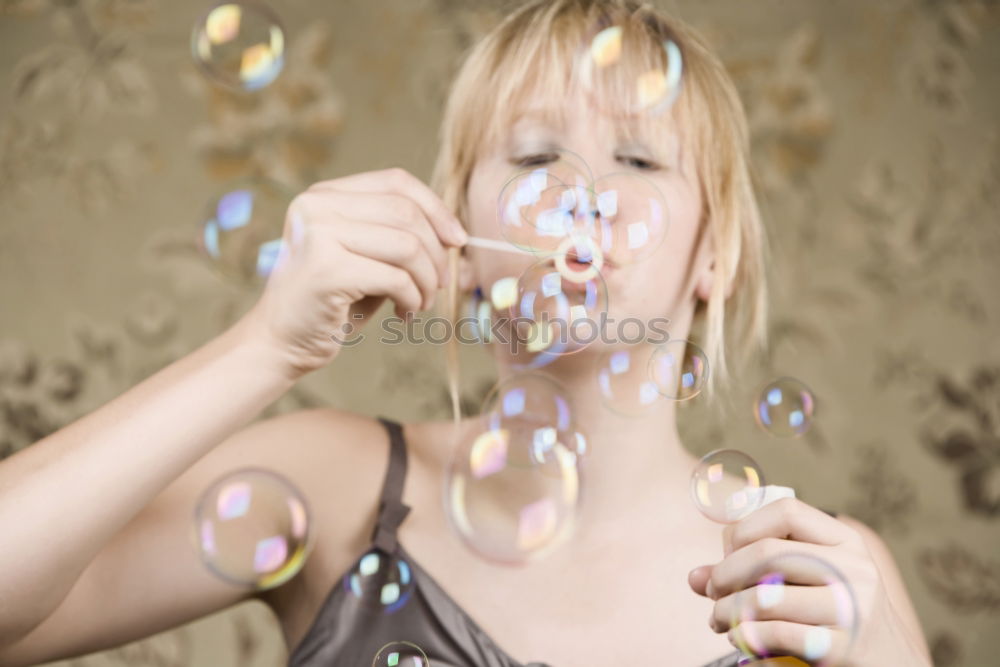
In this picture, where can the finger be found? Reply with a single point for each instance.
(698, 578)
(393, 210)
(743, 567)
(812, 605)
(811, 643)
(290, 244)
(400, 181)
(375, 278)
(398, 247)
(788, 519)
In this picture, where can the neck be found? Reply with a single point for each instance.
(632, 462)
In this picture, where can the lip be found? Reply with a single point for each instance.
(583, 272)
(573, 261)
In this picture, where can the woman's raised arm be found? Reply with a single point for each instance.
(350, 244)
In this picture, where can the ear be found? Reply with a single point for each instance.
(704, 263)
(705, 280)
(705, 271)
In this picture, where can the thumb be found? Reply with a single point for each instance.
(698, 579)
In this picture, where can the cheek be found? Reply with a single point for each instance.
(654, 286)
(481, 207)
(490, 266)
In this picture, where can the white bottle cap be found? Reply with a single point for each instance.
(774, 492)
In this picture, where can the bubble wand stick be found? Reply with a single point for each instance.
(492, 244)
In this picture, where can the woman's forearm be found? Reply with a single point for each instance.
(64, 497)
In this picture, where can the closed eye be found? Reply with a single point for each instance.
(535, 160)
(639, 163)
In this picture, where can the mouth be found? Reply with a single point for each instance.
(577, 263)
(581, 269)
(585, 261)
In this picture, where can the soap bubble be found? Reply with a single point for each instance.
(727, 485)
(679, 369)
(253, 528)
(629, 218)
(380, 582)
(579, 259)
(479, 312)
(627, 70)
(534, 396)
(241, 236)
(485, 307)
(401, 654)
(240, 45)
(533, 406)
(785, 408)
(506, 503)
(802, 582)
(625, 383)
(555, 316)
(538, 207)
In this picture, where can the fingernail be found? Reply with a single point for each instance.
(461, 236)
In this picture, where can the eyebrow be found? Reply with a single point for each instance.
(638, 146)
(539, 115)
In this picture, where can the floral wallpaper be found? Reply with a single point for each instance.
(877, 155)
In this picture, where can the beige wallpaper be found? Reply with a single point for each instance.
(876, 145)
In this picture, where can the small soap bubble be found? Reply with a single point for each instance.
(679, 369)
(785, 408)
(727, 485)
(252, 528)
(625, 383)
(240, 45)
(533, 396)
(380, 582)
(555, 316)
(579, 259)
(241, 232)
(796, 581)
(533, 406)
(401, 654)
(628, 218)
(628, 69)
(507, 503)
(540, 204)
(486, 308)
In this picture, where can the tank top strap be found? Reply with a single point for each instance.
(391, 510)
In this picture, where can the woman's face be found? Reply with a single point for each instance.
(657, 285)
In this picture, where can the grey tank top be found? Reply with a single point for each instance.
(345, 634)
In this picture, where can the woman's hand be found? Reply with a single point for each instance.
(786, 620)
(349, 244)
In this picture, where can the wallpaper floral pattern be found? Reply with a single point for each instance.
(877, 154)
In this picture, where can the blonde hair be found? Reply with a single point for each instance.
(533, 52)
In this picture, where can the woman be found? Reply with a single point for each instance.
(120, 483)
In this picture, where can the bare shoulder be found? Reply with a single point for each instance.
(337, 460)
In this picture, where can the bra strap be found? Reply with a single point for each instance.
(391, 510)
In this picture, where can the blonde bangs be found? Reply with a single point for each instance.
(532, 61)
